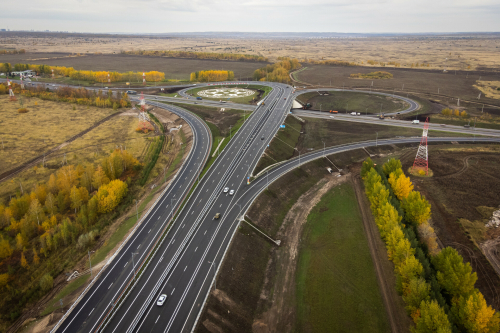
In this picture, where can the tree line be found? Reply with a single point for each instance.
(199, 55)
(58, 219)
(79, 96)
(211, 76)
(450, 112)
(278, 72)
(21, 51)
(437, 286)
(83, 75)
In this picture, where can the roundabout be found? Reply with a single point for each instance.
(226, 93)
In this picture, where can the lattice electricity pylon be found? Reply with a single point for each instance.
(22, 83)
(143, 78)
(422, 159)
(11, 93)
(143, 116)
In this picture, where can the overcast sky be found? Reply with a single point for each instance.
(159, 16)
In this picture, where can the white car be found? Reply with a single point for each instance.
(231, 192)
(226, 189)
(161, 300)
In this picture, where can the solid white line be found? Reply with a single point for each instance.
(157, 319)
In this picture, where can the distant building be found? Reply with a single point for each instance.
(3, 29)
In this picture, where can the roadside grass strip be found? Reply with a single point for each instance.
(337, 289)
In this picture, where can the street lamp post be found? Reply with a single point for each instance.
(324, 147)
(90, 262)
(267, 176)
(376, 140)
(133, 263)
(136, 210)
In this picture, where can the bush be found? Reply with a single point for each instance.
(22, 110)
(46, 282)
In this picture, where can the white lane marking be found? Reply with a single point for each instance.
(91, 311)
(139, 246)
(110, 285)
(172, 292)
(185, 268)
(193, 211)
(125, 264)
(158, 217)
(149, 231)
(173, 240)
(196, 249)
(220, 205)
(205, 232)
(183, 226)
(157, 319)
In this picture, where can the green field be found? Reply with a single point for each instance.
(346, 101)
(337, 289)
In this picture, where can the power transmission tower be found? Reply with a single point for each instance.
(11, 93)
(422, 159)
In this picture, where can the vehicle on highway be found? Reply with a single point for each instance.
(199, 98)
(285, 97)
(333, 111)
(131, 92)
(226, 189)
(262, 138)
(415, 121)
(161, 300)
(467, 126)
(332, 117)
(217, 216)
(231, 192)
(106, 88)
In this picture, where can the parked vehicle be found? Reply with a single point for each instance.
(467, 126)
(307, 106)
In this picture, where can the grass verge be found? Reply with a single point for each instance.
(72, 286)
(337, 288)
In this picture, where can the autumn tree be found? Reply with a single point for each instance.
(36, 259)
(50, 204)
(427, 234)
(366, 167)
(20, 242)
(414, 292)
(475, 315)
(391, 166)
(110, 195)
(24, 262)
(5, 248)
(36, 211)
(4, 279)
(379, 196)
(52, 184)
(76, 198)
(401, 185)
(387, 218)
(432, 319)
(455, 276)
(92, 209)
(99, 178)
(46, 282)
(417, 208)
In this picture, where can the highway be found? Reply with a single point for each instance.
(185, 259)
(393, 122)
(118, 272)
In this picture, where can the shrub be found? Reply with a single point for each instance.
(22, 110)
(46, 282)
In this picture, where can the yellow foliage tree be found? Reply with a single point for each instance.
(476, 316)
(5, 248)
(24, 262)
(401, 185)
(110, 195)
(36, 259)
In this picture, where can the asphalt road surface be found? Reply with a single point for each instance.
(398, 123)
(185, 260)
(118, 272)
